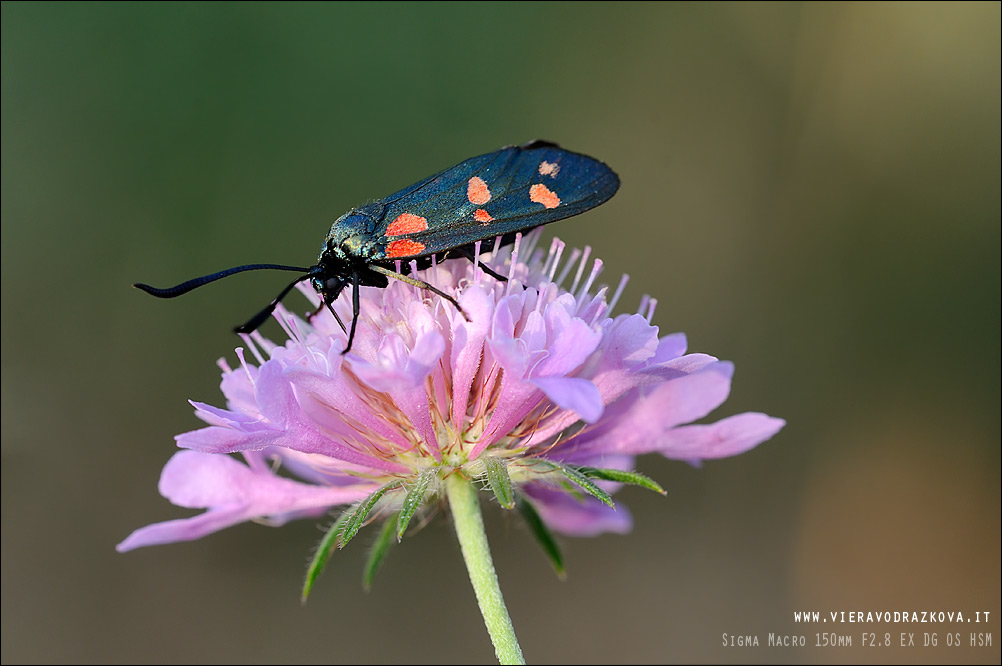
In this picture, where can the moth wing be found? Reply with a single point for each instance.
(513, 189)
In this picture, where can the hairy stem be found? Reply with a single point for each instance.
(469, 522)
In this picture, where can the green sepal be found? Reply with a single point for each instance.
(361, 511)
(323, 553)
(380, 549)
(581, 480)
(500, 482)
(543, 535)
(631, 478)
(413, 501)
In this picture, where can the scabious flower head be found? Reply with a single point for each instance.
(538, 383)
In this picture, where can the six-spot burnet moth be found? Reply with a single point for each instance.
(484, 199)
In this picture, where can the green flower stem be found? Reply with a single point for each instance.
(465, 507)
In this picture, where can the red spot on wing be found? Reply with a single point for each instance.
(550, 169)
(403, 248)
(477, 191)
(407, 223)
(541, 194)
(481, 215)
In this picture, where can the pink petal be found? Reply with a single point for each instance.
(570, 343)
(401, 372)
(299, 437)
(217, 439)
(511, 355)
(238, 389)
(224, 417)
(233, 493)
(507, 313)
(569, 515)
(727, 437)
(665, 406)
(198, 480)
(183, 529)
(275, 398)
(682, 365)
(629, 341)
(579, 395)
(669, 347)
(516, 400)
(468, 346)
(533, 334)
(336, 404)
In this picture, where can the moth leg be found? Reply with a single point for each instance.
(355, 303)
(336, 318)
(421, 284)
(313, 314)
(465, 251)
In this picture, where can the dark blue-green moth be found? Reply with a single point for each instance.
(486, 199)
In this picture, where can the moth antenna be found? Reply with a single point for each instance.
(195, 283)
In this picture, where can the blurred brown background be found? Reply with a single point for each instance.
(811, 191)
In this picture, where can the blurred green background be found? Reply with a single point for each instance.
(811, 191)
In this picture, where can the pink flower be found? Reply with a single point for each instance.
(541, 392)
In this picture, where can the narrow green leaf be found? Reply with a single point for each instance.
(500, 482)
(631, 478)
(574, 475)
(361, 511)
(542, 534)
(380, 549)
(413, 501)
(323, 554)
